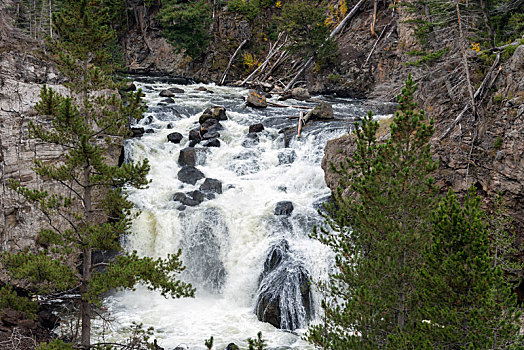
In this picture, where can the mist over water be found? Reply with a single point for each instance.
(226, 241)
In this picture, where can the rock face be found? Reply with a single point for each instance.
(21, 78)
(256, 99)
(283, 279)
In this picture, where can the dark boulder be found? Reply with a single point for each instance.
(194, 134)
(175, 137)
(137, 131)
(210, 135)
(256, 99)
(298, 93)
(201, 88)
(251, 140)
(215, 112)
(211, 186)
(210, 125)
(192, 156)
(212, 143)
(150, 131)
(284, 208)
(170, 126)
(166, 93)
(256, 128)
(190, 175)
(47, 319)
(192, 199)
(193, 143)
(232, 346)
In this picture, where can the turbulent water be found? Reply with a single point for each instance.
(238, 253)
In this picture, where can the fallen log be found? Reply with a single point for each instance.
(287, 106)
(299, 131)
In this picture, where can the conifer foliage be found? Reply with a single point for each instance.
(86, 203)
(378, 233)
(466, 303)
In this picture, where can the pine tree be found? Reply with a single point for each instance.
(86, 203)
(378, 232)
(466, 303)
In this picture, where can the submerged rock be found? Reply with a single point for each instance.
(166, 93)
(212, 143)
(176, 90)
(287, 156)
(283, 280)
(284, 208)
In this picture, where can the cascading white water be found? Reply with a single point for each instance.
(228, 240)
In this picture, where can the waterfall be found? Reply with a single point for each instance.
(243, 259)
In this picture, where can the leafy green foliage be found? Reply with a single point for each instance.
(464, 298)
(248, 8)
(10, 299)
(257, 344)
(378, 233)
(428, 58)
(186, 24)
(305, 24)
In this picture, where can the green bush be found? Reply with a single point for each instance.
(247, 8)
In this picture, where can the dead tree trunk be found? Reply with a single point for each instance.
(465, 61)
(231, 61)
(272, 51)
(335, 31)
(374, 21)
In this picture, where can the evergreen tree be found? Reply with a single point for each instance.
(85, 203)
(378, 232)
(466, 303)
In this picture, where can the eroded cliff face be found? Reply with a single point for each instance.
(487, 152)
(22, 75)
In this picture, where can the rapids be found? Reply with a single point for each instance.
(226, 240)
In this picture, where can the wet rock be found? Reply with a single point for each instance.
(194, 134)
(212, 143)
(166, 93)
(286, 157)
(168, 100)
(210, 135)
(190, 175)
(137, 131)
(297, 93)
(193, 143)
(147, 120)
(211, 186)
(176, 90)
(282, 279)
(256, 99)
(284, 208)
(192, 156)
(211, 125)
(321, 111)
(201, 88)
(282, 188)
(175, 137)
(194, 198)
(232, 346)
(170, 126)
(251, 140)
(256, 128)
(215, 112)
(150, 131)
